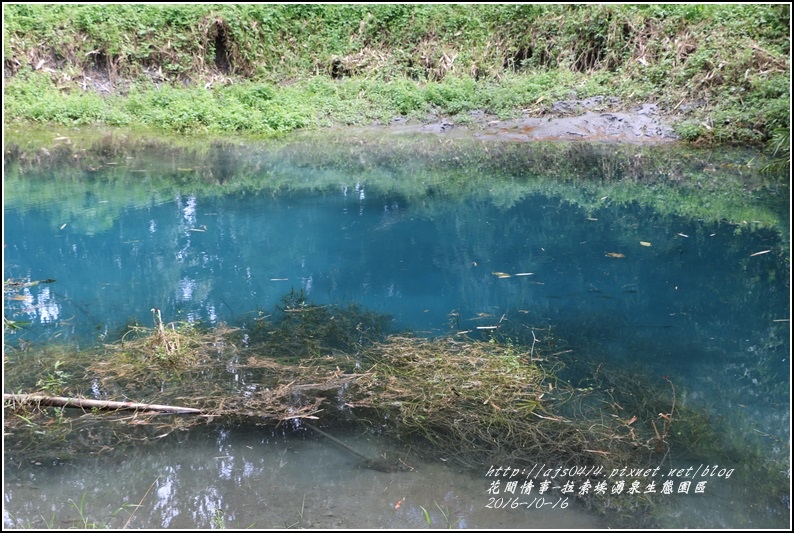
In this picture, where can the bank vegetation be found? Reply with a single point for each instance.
(721, 72)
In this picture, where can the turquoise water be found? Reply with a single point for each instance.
(703, 302)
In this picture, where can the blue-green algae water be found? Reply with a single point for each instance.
(631, 256)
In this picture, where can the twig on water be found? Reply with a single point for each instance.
(140, 503)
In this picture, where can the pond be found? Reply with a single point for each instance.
(665, 261)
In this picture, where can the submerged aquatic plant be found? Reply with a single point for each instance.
(54, 381)
(470, 401)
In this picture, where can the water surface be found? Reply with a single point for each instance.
(618, 274)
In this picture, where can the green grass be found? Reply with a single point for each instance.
(264, 109)
(270, 69)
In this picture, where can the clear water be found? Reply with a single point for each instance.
(620, 282)
(255, 478)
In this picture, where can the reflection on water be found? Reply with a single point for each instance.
(256, 478)
(705, 303)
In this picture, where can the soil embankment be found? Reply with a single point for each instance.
(593, 119)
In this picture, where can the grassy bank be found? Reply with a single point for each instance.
(722, 71)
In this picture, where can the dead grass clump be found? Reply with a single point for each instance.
(365, 61)
(437, 60)
(170, 345)
(474, 400)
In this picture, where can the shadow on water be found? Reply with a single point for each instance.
(663, 263)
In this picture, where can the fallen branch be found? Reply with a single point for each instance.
(104, 405)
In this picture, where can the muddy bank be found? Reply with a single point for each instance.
(593, 119)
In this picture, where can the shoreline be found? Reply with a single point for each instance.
(640, 125)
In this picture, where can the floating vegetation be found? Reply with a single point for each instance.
(468, 402)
